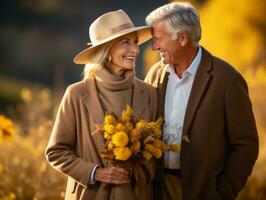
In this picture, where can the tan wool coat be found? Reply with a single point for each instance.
(220, 140)
(73, 148)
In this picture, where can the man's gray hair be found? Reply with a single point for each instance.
(180, 17)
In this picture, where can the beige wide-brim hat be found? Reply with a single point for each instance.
(108, 27)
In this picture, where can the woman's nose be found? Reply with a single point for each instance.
(134, 48)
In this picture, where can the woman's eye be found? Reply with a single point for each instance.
(125, 42)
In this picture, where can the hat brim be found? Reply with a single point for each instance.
(144, 34)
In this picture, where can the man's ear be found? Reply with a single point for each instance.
(184, 38)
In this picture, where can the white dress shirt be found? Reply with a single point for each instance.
(176, 99)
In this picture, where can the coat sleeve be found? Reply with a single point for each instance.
(242, 137)
(60, 152)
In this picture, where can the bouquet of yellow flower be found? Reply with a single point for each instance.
(129, 139)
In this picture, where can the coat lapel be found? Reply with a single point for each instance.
(139, 99)
(200, 84)
(92, 102)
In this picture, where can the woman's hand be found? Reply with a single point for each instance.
(112, 175)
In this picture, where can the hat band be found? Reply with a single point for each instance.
(114, 30)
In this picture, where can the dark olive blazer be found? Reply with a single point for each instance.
(220, 140)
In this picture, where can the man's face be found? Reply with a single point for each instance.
(163, 42)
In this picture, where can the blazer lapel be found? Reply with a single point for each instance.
(200, 84)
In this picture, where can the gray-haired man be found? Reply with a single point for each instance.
(207, 111)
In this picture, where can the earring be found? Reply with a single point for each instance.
(109, 59)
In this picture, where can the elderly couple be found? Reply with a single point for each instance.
(203, 99)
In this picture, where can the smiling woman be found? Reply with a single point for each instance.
(123, 54)
(109, 85)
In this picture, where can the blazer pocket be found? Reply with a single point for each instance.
(211, 109)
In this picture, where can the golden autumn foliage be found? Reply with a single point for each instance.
(232, 30)
(7, 128)
(24, 171)
(235, 31)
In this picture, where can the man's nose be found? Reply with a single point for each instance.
(154, 45)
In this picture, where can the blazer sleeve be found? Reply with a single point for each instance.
(154, 74)
(60, 152)
(242, 136)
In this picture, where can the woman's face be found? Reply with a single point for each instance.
(123, 54)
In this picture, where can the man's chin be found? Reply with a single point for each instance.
(165, 61)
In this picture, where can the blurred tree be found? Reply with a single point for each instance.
(37, 37)
(38, 40)
(235, 31)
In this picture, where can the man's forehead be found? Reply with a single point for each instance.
(159, 28)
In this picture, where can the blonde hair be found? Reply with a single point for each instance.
(179, 16)
(97, 60)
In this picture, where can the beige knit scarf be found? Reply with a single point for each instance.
(115, 92)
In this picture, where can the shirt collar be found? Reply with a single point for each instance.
(192, 67)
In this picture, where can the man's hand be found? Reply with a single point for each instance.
(112, 175)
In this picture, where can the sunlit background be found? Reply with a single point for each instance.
(38, 40)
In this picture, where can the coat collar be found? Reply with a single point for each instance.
(92, 101)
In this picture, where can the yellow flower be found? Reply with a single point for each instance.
(135, 147)
(175, 147)
(141, 124)
(109, 119)
(129, 126)
(120, 139)
(110, 145)
(7, 129)
(122, 153)
(121, 127)
(157, 143)
(157, 133)
(110, 129)
(126, 114)
(158, 153)
(150, 148)
(163, 147)
(106, 135)
(147, 155)
(135, 133)
(125, 118)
